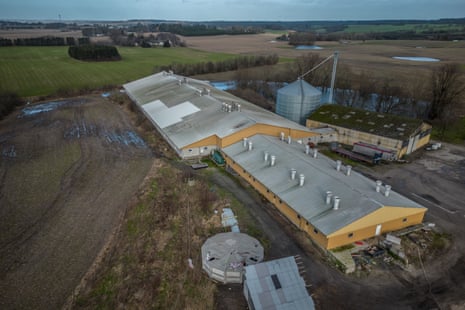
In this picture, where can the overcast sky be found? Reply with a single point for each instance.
(253, 10)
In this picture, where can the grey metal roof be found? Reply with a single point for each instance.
(277, 284)
(189, 110)
(299, 88)
(357, 193)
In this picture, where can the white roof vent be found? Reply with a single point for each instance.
(273, 160)
(387, 190)
(329, 195)
(336, 203)
(338, 165)
(378, 186)
(293, 173)
(301, 180)
(348, 170)
(315, 153)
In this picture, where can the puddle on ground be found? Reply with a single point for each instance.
(9, 151)
(47, 107)
(126, 137)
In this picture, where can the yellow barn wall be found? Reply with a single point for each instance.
(212, 140)
(248, 132)
(285, 209)
(390, 219)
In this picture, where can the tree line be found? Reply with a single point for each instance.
(44, 41)
(94, 52)
(220, 66)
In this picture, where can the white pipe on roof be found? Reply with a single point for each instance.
(293, 173)
(349, 169)
(301, 179)
(336, 203)
(387, 190)
(378, 186)
(329, 195)
(315, 153)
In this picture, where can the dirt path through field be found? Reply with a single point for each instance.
(72, 173)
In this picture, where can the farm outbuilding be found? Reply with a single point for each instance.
(196, 118)
(276, 284)
(225, 255)
(333, 204)
(391, 133)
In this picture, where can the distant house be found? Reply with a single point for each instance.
(388, 132)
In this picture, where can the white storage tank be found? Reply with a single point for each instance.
(297, 101)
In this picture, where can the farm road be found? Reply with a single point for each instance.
(67, 175)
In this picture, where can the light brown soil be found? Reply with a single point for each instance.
(62, 192)
(374, 57)
(36, 33)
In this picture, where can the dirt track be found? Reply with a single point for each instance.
(67, 176)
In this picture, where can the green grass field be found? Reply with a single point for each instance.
(37, 71)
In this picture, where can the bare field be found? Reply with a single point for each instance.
(370, 56)
(68, 170)
(36, 33)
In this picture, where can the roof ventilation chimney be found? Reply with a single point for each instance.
(329, 195)
(315, 153)
(282, 136)
(229, 108)
(301, 180)
(289, 139)
(307, 149)
(208, 92)
(265, 156)
(238, 107)
(273, 160)
(378, 186)
(244, 142)
(387, 190)
(338, 165)
(349, 169)
(337, 200)
(250, 146)
(293, 173)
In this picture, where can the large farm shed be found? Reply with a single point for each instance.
(196, 118)
(386, 131)
(333, 206)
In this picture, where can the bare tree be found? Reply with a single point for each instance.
(446, 90)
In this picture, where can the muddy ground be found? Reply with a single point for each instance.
(68, 170)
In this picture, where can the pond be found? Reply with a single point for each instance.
(425, 59)
(308, 47)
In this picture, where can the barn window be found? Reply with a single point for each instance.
(298, 216)
(404, 219)
(315, 231)
(350, 235)
(280, 201)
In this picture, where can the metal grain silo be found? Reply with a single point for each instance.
(297, 100)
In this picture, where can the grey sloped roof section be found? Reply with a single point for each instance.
(276, 284)
(192, 109)
(299, 88)
(357, 193)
